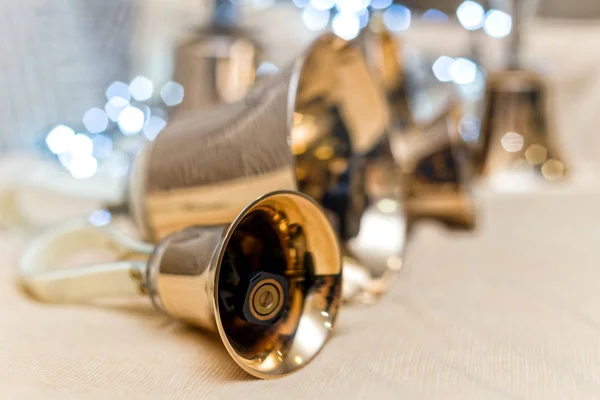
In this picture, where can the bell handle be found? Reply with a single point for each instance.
(43, 275)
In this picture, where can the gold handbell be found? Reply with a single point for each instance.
(437, 171)
(517, 130)
(269, 282)
(319, 127)
(432, 155)
(517, 136)
(217, 64)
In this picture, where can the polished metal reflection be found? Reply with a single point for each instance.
(517, 137)
(217, 64)
(320, 127)
(437, 171)
(269, 282)
(432, 155)
(517, 130)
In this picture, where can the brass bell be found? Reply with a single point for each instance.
(437, 171)
(216, 64)
(432, 155)
(269, 282)
(517, 130)
(517, 137)
(319, 127)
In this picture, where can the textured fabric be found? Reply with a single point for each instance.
(510, 311)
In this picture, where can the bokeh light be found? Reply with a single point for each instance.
(115, 106)
(322, 4)
(463, 71)
(95, 120)
(397, 18)
(82, 145)
(60, 139)
(346, 25)
(497, 24)
(141, 88)
(434, 15)
(153, 127)
(470, 15)
(380, 4)
(118, 89)
(131, 120)
(172, 93)
(441, 68)
(315, 20)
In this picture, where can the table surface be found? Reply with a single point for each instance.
(509, 311)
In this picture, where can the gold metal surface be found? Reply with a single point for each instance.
(282, 243)
(215, 65)
(517, 131)
(321, 127)
(432, 155)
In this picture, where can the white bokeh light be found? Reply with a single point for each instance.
(463, 71)
(497, 24)
(322, 4)
(364, 17)
(114, 107)
(266, 68)
(81, 167)
(82, 145)
(351, 6)
(301, 3)
(434, 15)
(95, 120)
(131, 120)
(60, 139)
(141, 88)
(172, 93)
(153, 127)
(470, 15)
(346, 25)
(118, 89)
(380, 4)
(315, 20)
(397, 18)
(441, 68)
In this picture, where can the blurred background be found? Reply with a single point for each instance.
(86, 82)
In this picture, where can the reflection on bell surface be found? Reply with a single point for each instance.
(437, 171)
(517, 130)
(269, 282)
(517, 138)
(217, 63)
(432, 155)
(319, 126)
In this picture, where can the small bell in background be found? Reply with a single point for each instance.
(217, 63)
(517, 138)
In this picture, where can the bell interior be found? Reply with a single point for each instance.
(276, 301)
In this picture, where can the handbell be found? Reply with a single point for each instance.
(319, 127)
(517, 137)
(269, 282)
(217, 63)
(432, 155)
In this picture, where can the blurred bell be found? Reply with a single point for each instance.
(269, 282)
(217, 63)
(517, 137)
(437, 171)
(432, 155)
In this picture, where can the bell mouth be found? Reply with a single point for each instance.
(277, 284)
(338, 122)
